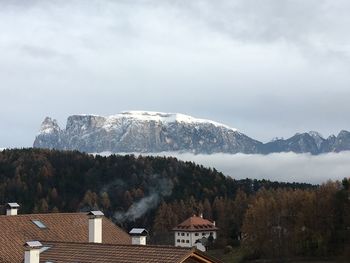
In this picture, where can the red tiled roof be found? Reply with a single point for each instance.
(196, 223)
(70, 227)
(63, 252)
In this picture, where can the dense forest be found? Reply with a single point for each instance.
(267, 219)
(285, 222)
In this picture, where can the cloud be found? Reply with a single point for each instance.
(42, 52)
(268, 68)
(283, 167)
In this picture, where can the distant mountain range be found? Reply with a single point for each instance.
(152, 132)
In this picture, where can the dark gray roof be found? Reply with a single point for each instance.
(33, 244)
(138, 232)
(12, 205)
(95, 213)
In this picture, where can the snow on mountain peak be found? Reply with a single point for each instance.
(317, 137)
(48, 126)
(315, 134)
(168, 118)
(143, 131)
(275, 139)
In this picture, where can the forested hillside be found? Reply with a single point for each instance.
(158, 193)
(285, 222)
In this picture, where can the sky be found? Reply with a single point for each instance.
(268, 68)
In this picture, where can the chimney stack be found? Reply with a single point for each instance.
(138, 236)
(12, 209)
(32, 252)
(95, 226)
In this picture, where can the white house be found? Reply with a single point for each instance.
(195, 232)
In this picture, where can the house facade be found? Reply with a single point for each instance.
(195, 232)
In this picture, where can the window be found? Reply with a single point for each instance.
(182, 241)
(203, 234)
(178, 233)
(182, 234)
(188, 234)
(39, 224)
(187, 241)
(178, 241)
(196, 234)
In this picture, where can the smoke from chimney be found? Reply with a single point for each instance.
(162, 187)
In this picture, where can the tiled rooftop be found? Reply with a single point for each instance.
(196, 223)
(71, 227)
(63, 252)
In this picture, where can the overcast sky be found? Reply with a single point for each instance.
(269, 68)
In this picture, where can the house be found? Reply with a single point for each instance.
(80, 237)
(195, 232)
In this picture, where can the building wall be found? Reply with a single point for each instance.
(138, 240)
(183, 239)
(188, 239)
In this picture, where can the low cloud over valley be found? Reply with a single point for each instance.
(287, 167)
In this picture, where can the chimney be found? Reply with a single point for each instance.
(11, 209)
(32, 252)
(95, 226)
(201, 215)
(138, 236)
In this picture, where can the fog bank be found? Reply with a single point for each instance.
(286, 167)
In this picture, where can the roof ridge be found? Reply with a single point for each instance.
(113, 245)
(44, 214)
(193, 250)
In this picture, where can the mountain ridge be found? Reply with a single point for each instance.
(152, 132)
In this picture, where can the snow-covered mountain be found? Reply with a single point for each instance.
(139, 131)
(309, 142)
(152, 132)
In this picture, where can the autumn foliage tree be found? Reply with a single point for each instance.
(286, 222)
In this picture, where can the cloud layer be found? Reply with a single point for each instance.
(284, 167)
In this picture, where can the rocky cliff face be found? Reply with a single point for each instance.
(143, 132)
(151, 132)
(311, 142)
(339, 143)
(50, 135)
